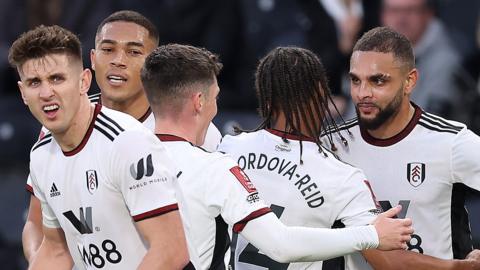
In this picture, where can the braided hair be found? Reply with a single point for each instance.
(293, 81)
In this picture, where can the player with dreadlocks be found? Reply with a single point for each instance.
(293, 94)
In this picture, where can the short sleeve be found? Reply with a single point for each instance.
(142, 170)
(29, 186)
(356, 202)
(48, 216)
(466, 159)
(233, 195)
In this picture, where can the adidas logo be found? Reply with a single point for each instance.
(54, 191)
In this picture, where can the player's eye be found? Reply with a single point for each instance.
(354, 80)
(33, 83)
(106, 49)
(57, 79)
(135, 52)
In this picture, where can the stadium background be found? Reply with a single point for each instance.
(240, 31)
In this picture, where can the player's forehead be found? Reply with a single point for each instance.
(44, 66)
(122, 32)
(369, 63)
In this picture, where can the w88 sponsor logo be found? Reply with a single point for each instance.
(96, 257)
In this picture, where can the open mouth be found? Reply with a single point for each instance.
(50, 110)
(116, 79)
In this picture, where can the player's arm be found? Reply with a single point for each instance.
(53, 252)
(166, 241)
(32, 234)
(404, 260)
(296, 244)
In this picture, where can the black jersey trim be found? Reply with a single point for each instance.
(331, 129)
(427, 126)
(145, 115)
(42, 142)
(462, 242)
(44, 139)
(222, 242)
(441, 120)
(95, 98)
(107, 125)
(432, 123)
(110, 137)
(111, 121)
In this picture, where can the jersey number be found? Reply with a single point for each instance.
(93, 256)
(251, 255)
(416, 241)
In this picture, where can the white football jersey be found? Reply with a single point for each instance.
(118, 175)
(212, 192)
(212, 138)
(426, 168)
(317, 193)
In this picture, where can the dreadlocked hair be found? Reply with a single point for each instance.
(293, 81)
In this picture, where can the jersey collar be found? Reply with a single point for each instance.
(84, 141)
(289, 136)
(399, 136)
(170, 138)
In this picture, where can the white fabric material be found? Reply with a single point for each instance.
(419, 171)
(94, 194)
(285, 244)
(208, 189)
(314, 194)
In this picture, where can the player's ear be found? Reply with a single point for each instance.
(198, 99)
(411, 81)
(92, 58)
(21, 87)
(85, 81)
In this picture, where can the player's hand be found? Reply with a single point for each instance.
(474, 259)
(393, 233)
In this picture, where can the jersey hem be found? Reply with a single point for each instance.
(239, 226)
(155, 212)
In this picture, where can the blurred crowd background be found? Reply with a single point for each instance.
(445, 35)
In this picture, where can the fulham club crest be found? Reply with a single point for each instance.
(416, 173)
(92, 181)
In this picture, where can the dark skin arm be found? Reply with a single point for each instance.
(403, 260)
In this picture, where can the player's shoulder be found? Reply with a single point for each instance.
(440, 125)
(44, 140)
(342, 127)
(240, 138)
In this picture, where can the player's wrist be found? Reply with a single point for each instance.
(366, 236)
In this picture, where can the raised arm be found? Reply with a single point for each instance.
(300, 244)
(53, 252)
(32, 234)
(166, 241)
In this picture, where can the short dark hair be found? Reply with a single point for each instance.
(170, 69)
(132, 17)
(41, 41)
(293, 81)
(386, 40)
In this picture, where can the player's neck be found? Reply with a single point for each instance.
(279, 122)
(136, 107)
(177, 126)
(395, 124)
(73, 136)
